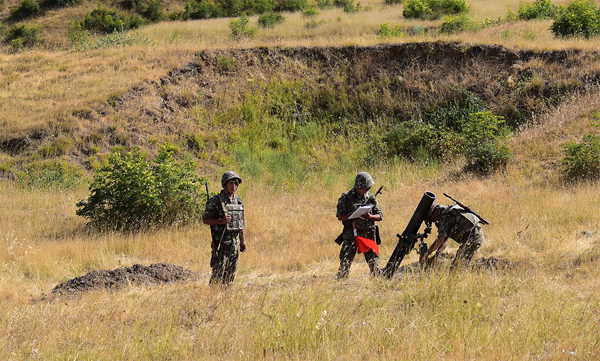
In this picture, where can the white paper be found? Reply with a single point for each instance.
(360, 211)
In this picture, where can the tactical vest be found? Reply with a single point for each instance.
(236, 211)
(464, 222)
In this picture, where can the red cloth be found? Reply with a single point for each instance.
(365, 245)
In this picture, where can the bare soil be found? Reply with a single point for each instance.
(158, 273)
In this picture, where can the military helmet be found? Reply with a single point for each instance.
(229, 175)
(363, 180)
(431, 209)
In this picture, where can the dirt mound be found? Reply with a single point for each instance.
(157, 273)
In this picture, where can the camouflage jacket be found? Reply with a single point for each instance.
(350, 202)
(214, 209)
(456, 223)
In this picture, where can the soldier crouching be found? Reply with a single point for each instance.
(225, 215)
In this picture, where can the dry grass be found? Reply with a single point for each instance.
(285, 302)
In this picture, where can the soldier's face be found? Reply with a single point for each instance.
(362, 191)
(231, 186)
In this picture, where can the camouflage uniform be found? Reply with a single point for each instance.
(348, 203)
(463, 227)
(225, 243)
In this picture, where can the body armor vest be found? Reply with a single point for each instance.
(463, 225)
(236, 211)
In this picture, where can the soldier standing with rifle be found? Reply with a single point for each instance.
(225, 215)
(459, 223)
(364, 225)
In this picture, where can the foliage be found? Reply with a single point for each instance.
(433, 9)
(270, 20)
(456, 23)
(582, 159)
(386, 32)
(132, 193)
(485, 150)
(322, 4)
(310, 12)
(76, 33)
(579, 18)
(154, 12)
(61, 3)
(540, 9)
(349, 7)
(26, 9)
(58, 175)
(21, 36)
(390, 2)
(108, 21)
(240, 29)
(290, 5)
(116, 39)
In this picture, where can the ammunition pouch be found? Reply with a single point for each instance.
(236, 211)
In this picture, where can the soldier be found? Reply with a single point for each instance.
(225, 215)
(365, 225)
(453, 222)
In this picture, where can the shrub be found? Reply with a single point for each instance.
(23, 36)
(290, 5)
(61, 3)
(433, 9)
(108, 21)
(240, 29)
(26, 9)
(386, 32)
(390, 2)
(310, 12)
(484, 137)
(76, 34)
(580, 18)
(132, 193)
(456, 23)
(154, 12)
(540, 9)
(259, 6)
(270, 20)
(202, 10)
(351, 8)
(582, 159)
(324, 3)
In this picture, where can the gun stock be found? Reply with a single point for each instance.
(466, 208)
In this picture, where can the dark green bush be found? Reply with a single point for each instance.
(433, 9)
(582, 159)
(202, 10)
(540, 9)
(322, 4)
(23, 36)
(290, 5)
(351, 8)
(61, 3)
(386, 32)
(390, 2)
(154, 12)
(108, 21)
(132, 193)
(26, 9)
(270, 20)
(580, 18)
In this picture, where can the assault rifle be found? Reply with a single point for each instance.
(463, 206)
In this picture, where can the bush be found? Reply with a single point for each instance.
(202, 10)
(433, 9)
(240, 29)
(76, 34)
(484, 146)
(386, 32)
(580, 18)
(108, 21)
(390, 2)
(23, 36)
(582, 160)
(322, 4)
(154, 12)
(310, 12)
(456, 23)
(290, 5)
(270, 20)
(351, 8)
(26, 9)
(61, 3)
(131, 193)
(541, 9)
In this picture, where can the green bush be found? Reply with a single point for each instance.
(270, 20)
(132, 193)
(61, 3)
(484, 147)
(290, 5)
(26, 9)
(386, 32)
(58, 175)
(108, 21)
(390, 2)
(433, 9)
(154, 12)
(351, 8)
(322, 4)
(582, 159)
(76, 34)
(456, 23)
(580, 18)
(540, 9)
(202, 10)
(240, 29)
(310, 12)
(21, 36)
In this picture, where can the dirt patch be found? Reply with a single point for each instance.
(158, 273)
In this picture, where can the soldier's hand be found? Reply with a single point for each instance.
(243, 247)
(227, 218)
(367, 216)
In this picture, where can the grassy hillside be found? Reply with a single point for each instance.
(298, 112)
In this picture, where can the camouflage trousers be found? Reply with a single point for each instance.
(348, 253)
(467, 250)
(223, 262)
